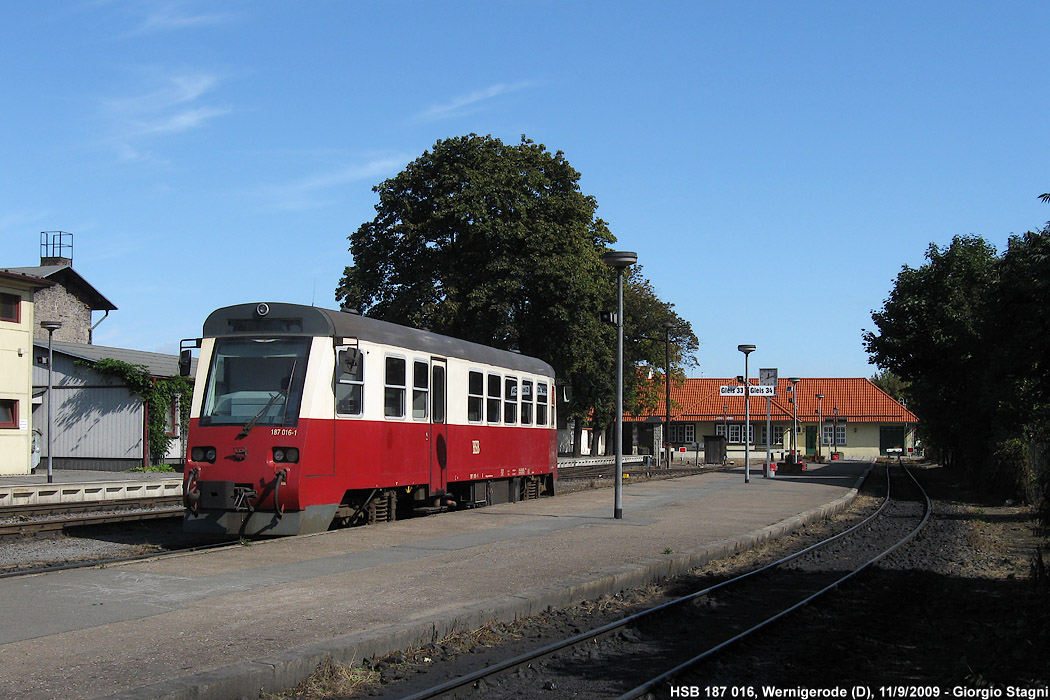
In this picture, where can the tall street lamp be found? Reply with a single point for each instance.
(820, 424)
(794, 418)
(619, 261)
(50, 327)
(667, 385)
(747, 350)
(835, 432)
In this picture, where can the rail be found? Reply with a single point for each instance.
(664, 677)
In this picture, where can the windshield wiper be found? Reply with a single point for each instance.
(255, 419)
(285, 391)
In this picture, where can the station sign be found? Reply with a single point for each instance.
(738, 390)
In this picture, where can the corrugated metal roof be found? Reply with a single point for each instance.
(157, 364)
(856, 398)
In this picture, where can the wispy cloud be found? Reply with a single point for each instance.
(465, 103)
(174, 107)
(174, 16)
(321, 189)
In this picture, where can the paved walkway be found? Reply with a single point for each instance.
(226, 623)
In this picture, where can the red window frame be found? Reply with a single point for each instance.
(8, 298)
(13, 423)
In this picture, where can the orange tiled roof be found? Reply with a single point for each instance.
(857, 399)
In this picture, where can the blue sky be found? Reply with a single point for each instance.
(773, 164)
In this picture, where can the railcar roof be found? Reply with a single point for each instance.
(246, 319)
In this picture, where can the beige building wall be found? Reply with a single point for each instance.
(862, 440)
(16, 357)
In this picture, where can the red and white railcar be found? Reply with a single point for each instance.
(303, 418)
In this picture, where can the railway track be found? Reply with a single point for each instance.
(647, 653)
(33, 519)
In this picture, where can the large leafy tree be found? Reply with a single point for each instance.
(932, 332)
(496, 244)
(892, 385)
(648, 342)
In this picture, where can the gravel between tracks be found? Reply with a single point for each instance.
(92, 543)
(959, 606)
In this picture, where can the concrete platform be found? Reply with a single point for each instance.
(75, 486)
(228, 623)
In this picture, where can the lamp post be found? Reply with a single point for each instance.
(619, 261)
(667, 385)
(835, 432)
(50, 327)
(747, 350)
(820, 425)
(794, 418)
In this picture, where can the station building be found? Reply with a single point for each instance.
(16, 361)
(849, 418)
(99, 424)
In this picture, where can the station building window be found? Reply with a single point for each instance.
(8, 413)
(836, 432)
(682, 433)
(778, 435)
(10, 308)
(736, 432)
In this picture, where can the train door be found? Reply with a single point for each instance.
(438, 426)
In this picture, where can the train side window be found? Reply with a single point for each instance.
(526, 402)
(495, 395)
(350, 383)
(475, 396)
(394, 394)
(510, 401)
(420, 388)
(541, 403)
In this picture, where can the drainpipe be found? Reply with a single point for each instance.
(92, 329)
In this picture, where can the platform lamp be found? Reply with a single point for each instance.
(50, 327)
(794, 417)
(747, 350)
(835, 432)
(619, 260)
(820, 424)
(668, 325)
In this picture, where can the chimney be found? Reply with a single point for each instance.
(56, 248)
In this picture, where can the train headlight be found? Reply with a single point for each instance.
(286, 454)
(203, 454)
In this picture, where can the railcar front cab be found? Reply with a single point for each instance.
(246, 439)
(265, 417)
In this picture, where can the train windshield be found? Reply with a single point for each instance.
(255, 381)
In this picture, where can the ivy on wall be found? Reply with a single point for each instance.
(158, 393)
